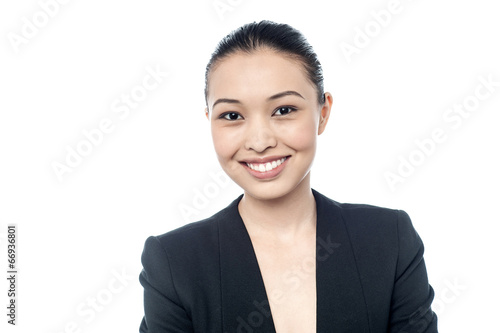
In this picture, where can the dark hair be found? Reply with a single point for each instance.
(279, 37)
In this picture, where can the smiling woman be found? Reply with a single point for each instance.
(259, 265)
(263, 109)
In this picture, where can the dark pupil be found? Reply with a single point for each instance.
(284, 110)
(233, 116)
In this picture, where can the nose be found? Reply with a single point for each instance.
(260, 136)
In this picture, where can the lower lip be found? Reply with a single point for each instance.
(267, 174)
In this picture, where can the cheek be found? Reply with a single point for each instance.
(301, 135)
(225, 142)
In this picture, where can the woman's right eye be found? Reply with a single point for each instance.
(231, 116)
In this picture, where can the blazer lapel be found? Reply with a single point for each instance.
(245, 306)
(340, 301)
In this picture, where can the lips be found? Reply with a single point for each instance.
(268, 166)
(265, 168)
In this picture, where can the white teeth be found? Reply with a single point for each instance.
(263, 167)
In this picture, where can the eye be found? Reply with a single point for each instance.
(284, 110)
(231, 116)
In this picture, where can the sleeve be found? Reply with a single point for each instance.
(163, 312)
(412, 295)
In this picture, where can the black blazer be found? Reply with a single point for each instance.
(370, 275)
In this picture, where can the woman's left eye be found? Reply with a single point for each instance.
(284, 110)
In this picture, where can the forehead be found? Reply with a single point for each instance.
(257, 75)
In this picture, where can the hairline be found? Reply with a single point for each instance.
(259, 48)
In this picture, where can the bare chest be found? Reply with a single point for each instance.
(289, 276)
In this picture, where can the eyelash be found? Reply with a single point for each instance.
(291, 109)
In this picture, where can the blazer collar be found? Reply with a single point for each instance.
(245, 306)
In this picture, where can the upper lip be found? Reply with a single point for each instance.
(264, 159)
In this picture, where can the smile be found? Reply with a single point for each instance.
(263, 167)
(267, 169)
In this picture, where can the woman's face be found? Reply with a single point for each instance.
(265, 120)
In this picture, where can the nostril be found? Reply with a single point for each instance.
(261, 139)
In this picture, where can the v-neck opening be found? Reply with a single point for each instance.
(339, 297)
(317, 205)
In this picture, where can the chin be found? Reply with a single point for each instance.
(270, 190)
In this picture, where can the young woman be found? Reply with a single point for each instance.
(281, 257)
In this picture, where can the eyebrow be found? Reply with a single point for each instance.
(273, 97)
(285, 93)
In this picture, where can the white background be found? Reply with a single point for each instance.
(76, 234)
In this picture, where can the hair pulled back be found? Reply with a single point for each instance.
(275, 36)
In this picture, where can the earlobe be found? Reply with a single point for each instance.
(325, 112)
(206, 113)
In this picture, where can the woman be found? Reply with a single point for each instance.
(281, 257)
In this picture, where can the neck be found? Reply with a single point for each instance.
(286, 218)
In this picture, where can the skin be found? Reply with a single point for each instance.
(279, 213)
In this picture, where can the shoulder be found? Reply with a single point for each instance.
(382, 240)
(360, 213)
(193, 239)
(370, 223)
(370, 218)
(195, 232)
(190, 243)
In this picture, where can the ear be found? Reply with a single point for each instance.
(325, 112)
(206, 113)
